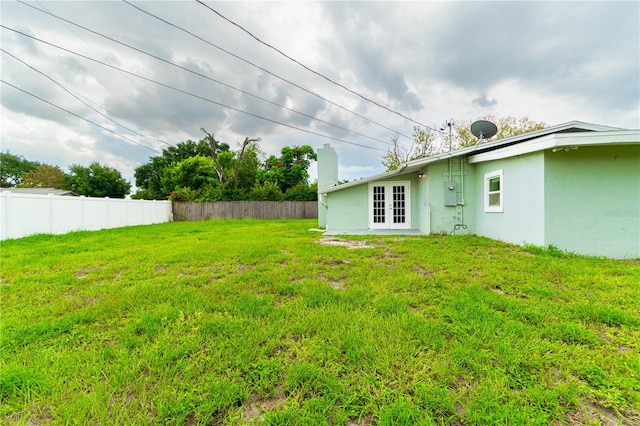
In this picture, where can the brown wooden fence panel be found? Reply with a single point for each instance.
(191, 211)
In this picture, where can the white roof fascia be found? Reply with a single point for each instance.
(590, 129)
(411, 165)
(562, 140)
(359, 181)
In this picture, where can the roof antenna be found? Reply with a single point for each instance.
(450, 124)
(483, 129)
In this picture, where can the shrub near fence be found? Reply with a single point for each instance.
(191, 210)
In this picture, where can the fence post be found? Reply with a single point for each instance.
(51, 207)
(5, 202)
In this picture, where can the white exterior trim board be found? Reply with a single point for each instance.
(622, 137)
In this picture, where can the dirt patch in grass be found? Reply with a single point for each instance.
(337, 284)
(365, 421)
(255, 407)
(37, 416)
(590, 413)
(422, 271)
(83, 272)
(350, 244)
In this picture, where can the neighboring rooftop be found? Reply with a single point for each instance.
(39, 191)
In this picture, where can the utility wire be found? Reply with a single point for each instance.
(76, 115)
(98, 53)
(263, 69)
(191, 94)
(311, 70)
(203, 75)
(78, 98)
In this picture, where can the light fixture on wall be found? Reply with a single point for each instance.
(420, 175)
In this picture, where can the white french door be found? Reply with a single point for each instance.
(389, 206)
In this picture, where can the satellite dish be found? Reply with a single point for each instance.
(483, 129)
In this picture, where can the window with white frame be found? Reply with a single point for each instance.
(494, 191)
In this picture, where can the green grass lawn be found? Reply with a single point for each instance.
(256, 322)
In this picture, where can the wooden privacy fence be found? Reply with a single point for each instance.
(191, 210)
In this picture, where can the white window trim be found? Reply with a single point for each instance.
(487, 177)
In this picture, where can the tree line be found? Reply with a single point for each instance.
(206, 170)
(95, 180)
(209, 170)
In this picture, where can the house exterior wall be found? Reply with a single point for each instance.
(593, 200)
(443, 218)
(523, 217)
(423, 220)
(348, 209)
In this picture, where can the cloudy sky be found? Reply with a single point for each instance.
(188, 68)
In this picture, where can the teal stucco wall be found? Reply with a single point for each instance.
(348, 209)
(522, 218)
(443, 218)
(593, 200)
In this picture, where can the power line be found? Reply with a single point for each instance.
(78, 98)
(264, 70)
(191, 94)
(200, 74)
(311, 70)
(76, 115)
(98, 53)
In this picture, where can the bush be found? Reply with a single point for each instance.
(144, 194)
(184, 194)
(302, 192)
(268, 191)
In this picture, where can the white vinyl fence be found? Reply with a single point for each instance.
(28, 214)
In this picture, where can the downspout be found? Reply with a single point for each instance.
(462, 201)
(462, 180)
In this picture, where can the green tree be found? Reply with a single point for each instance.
(247, 171)
(149, 179)
(421, 145)
(12, 168)
(194, 173)
(229, 166)
(98, 181)
(45, 176)
(149, 176)
(507, 126)
(290, 169)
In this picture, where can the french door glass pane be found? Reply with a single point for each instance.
(378, 204)
(399, 208)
